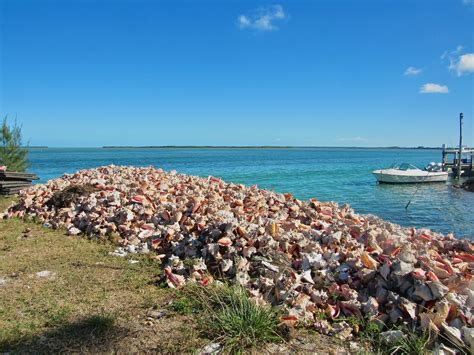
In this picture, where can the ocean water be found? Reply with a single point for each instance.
(328, 174)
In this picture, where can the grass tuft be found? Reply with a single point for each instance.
(230, 317)
(182, 306)
(414, 343)
(370, 333)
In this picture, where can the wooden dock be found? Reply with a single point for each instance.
(460, 159)
(451, 159)
(13, 182)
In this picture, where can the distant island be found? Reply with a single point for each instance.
(254, 147)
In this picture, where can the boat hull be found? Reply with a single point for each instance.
(394, 178)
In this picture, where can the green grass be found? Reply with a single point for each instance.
(5, 202)
(370, 333)
(182, 306)
(414, 343)
(231, 318)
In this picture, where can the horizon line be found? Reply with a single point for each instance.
(229, 147)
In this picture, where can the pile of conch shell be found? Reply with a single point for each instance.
(319, 260)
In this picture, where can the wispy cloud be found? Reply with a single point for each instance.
(468, 2)
(357, 139)
(263, 19)
(431, 88)
(451, 54)
(412, 71)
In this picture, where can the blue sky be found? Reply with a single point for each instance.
(319, 72)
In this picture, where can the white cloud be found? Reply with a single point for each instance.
(458, 62)
(463, 65)
(263, 19)
(431, 88)
(412, 71)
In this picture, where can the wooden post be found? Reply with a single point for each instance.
(443, 163)
(460, 144)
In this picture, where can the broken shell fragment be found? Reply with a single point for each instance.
(138, 199)
(368, 261)
(224, 242)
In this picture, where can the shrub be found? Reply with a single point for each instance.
(12, 154)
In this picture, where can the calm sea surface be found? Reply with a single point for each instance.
(341, 175)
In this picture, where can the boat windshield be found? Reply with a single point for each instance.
(403, 166)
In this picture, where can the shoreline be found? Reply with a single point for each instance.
(263, 147)
(238, 147)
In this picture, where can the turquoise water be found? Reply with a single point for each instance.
(336, 174)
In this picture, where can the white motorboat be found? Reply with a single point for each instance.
(409, 174)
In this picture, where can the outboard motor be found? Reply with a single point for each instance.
(432, 167)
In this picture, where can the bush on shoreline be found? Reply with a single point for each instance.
(12, 154)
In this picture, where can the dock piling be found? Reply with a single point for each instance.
(458, 165)
(460, 145)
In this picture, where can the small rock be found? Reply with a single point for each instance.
(157, 313)
(119, 252)
(354, 346)
(3, 281)
(322, 326)
(212, 348)
(270, 266)
(424, 292)
(453, 334)
(391, 336)
(131, 261)
(144, 249)
(441, 349)
(370, 307)
(73, 231)
(408, 307)
(407, 255)
(401, 268)
(342, 330)
(46, 274)
(468, 334)
(438, 289)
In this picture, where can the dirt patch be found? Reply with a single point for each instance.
(69, 195)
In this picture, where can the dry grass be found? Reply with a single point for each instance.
(94, 303)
